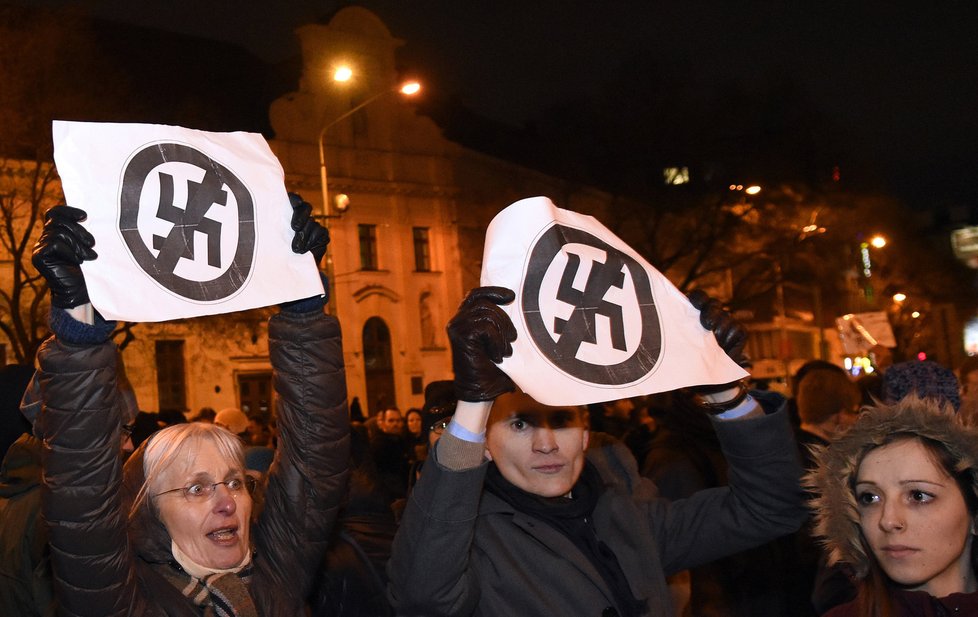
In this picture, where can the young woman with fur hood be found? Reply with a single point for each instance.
(897, 501)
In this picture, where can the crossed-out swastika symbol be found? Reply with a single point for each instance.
(179, 243)
(159, 256)
(589, 303)
(635, 332)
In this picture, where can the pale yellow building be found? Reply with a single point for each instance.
(403, 253)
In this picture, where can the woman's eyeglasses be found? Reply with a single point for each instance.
(203, 491)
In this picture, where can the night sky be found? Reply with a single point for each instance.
(899, 78)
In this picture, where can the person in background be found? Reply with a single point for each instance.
(896, 501)
(611, 417)
(436, 413)
(391, 421)
(968, 380)
(417, 445)
(390, 453)
(205, 414)
(356, 412)
(176, 531)
(509, 516)
(14, 379)
(234, 420)
(968, 376)
(828, 403)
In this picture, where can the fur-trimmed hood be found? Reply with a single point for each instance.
(832, 480)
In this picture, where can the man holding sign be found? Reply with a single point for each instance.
(512, 517)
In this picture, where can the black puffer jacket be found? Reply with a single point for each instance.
(98, 570)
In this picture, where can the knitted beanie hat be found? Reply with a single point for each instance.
(927, 379)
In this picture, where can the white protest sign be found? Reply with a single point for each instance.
(861, 331)
(186, 222)
(594, 321)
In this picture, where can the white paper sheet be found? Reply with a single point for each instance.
(186, 222)
(595, 321)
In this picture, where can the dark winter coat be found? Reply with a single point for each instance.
(25, 575)
(919, 604)
(99, 571)
(463, 551)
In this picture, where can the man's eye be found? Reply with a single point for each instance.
(196, 490)
(867, 498)
(519, 425)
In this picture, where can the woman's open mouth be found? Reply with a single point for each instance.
(224, 535)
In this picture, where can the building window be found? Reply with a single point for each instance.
(422, 250)
(170, 376)
(255, 394)
(368, 246)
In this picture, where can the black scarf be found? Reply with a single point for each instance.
(571, 516)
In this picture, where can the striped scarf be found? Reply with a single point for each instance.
(222, 593)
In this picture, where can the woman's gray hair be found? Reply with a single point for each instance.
(175, 443)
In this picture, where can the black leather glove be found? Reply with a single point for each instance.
(64, 244)
(309, 234)
(481, 335)
(731, 335)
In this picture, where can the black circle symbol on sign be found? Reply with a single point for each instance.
(579, 328)
(188, 221)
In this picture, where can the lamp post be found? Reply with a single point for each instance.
(409, 88)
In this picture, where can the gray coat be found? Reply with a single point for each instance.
(461, 551)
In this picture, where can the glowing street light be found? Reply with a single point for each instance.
(752, 190)
(343, 74)
(899, 297)
(877, 241)
(408, 88)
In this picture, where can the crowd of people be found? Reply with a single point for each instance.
(843, 497)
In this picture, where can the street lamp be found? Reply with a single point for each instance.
(409, 88)
(341, 74)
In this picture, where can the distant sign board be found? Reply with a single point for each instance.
(964, 241)
(861, 331)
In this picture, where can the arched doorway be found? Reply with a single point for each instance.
(378, 365)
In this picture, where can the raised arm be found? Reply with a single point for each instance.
(80, 426)
(429, 569)
(308, 477)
